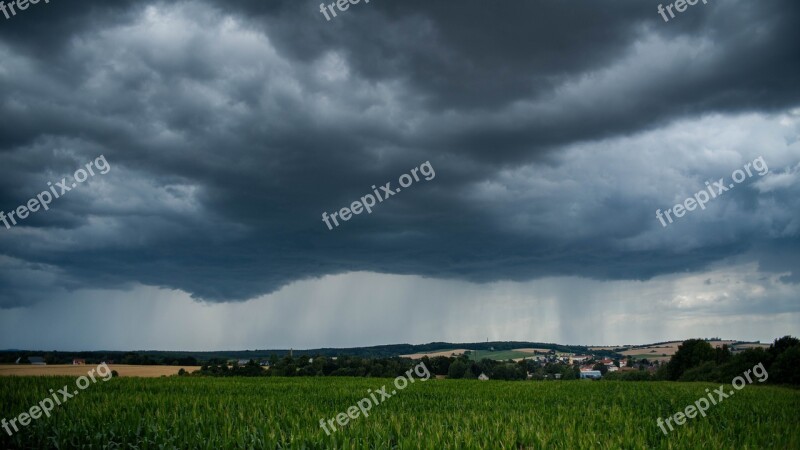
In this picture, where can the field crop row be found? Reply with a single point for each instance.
(276, 413)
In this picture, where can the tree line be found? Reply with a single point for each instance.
(355, 366)
(697, 360)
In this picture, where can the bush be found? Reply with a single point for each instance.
(708, 371)
(457, 369)
(632, 375)
(691, 353)
(785, 368)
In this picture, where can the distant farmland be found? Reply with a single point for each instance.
(76, 371)
(501, 355)
(435, 353)
(664, 351)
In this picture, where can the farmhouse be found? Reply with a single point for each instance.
(36, 360)
(78, 362)
(483, 377)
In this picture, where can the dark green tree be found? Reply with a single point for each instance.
(457, 369)
(786, 368)
(601, 367)
(781, 345)
(690, 354)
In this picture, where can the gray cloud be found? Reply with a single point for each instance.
(232, 126)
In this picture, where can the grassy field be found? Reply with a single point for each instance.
(500, 355)
(213, 413)
(435, 353)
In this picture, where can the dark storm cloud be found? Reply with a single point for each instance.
(231, 126)
(476, 56)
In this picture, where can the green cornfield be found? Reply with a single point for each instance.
(278, 413)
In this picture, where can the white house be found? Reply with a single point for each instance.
(591, 375)
(483, 377)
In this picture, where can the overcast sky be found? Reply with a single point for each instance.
(555, 129)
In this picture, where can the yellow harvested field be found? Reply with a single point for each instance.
(655, 350)
(76, 371)
(668, 348)
(456, 352)
(531, 350)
